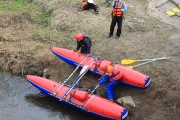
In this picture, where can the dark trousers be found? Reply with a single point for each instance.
(90, 5)
(115, 20)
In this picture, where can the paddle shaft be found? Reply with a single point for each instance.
(77, 67)
(96, 86)
(161, 58)
(94, 90)
(150, 61)
(69, 76)
(177, 15)
(76, 81)
(131, 61)
(144, 63)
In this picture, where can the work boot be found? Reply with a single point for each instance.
(109, 36)
(96, 11)
(117, 37)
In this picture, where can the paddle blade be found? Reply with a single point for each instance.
(170, 13)
(176, 10)
(128, 61)
(83, 69)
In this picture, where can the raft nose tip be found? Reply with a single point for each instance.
(27, 75)
(124, 114)
(147, 82)
(51, 48)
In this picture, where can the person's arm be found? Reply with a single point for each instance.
(124, 7)
(78, 46)
(112, 4)
(104, 79)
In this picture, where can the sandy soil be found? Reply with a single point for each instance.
(22, 52)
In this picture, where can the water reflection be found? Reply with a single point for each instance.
(19, 100)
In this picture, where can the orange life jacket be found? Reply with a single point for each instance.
(117, 75)
(117, 9)
(84, 2)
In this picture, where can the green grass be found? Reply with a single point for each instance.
(17, 5)
(33, 11)
(176, 4)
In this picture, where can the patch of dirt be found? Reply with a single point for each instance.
(22, 52)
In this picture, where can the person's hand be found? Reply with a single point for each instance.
(88, 55)
(75, 50)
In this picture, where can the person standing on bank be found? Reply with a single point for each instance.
(83, 43)
(118, 9)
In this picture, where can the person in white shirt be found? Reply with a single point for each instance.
(90, 4)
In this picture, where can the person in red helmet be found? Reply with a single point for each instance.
(113, 75)
(83, 43)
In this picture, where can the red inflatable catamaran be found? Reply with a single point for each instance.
(82, 100)
(130, 77)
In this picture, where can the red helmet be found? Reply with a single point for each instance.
(103, 66)
(79, 36)
(106, 66)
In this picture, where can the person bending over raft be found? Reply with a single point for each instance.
(111, 74)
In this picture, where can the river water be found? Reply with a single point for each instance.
(19, 100)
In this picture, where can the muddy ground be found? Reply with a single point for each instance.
(155, 34)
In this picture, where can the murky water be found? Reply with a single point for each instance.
(19, 100)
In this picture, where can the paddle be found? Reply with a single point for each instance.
(96, 85)
(140, 64)
(77, 67)
(65, 81)
(147, 62)
(94, 90)
(82, 73)
(170, 13)
(176, 10)
(130, 61)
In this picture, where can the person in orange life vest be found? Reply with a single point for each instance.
(118, 9)
(83, 43)
(113, 76)
(90, 4)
